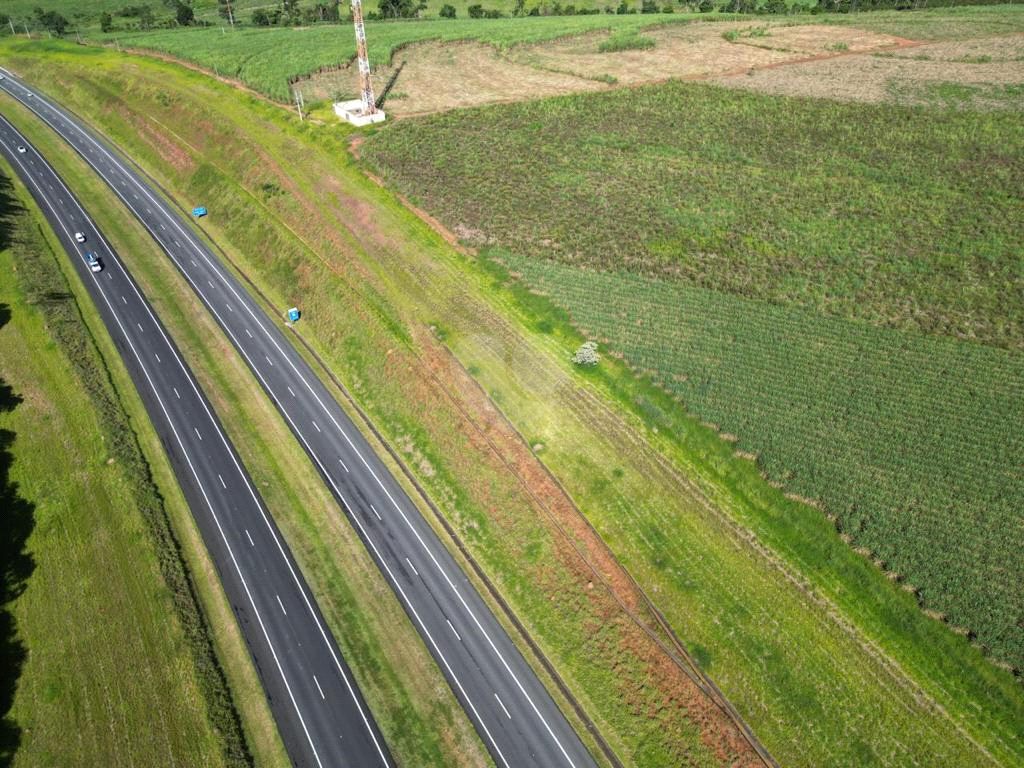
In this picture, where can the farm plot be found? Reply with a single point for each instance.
(913, 443)
(980, 74)
(881, 215)
(264, 59)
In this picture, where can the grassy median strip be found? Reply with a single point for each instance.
(420, 719)
(116, 649)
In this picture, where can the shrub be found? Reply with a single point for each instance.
(586, 354)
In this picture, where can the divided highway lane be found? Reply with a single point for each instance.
(322, 716)
(512, 711)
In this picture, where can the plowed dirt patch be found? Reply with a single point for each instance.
(697, 50)
(437, 77)
(976, 74)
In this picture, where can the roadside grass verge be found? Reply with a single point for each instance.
(419, 717)
(117, 650)
(828, 661)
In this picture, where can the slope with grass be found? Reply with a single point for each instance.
(829, 661)
(101, 633)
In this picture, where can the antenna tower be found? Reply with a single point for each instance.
(369, 103)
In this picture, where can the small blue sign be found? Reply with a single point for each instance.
(197, 212)
(293, 314)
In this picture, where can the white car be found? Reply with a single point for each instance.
(79, 237)
(93, 262)
(21, 150)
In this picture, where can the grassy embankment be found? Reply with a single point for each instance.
(237, 155)
(112, 661)
(828, 660)
(775, 236)
(419, 717)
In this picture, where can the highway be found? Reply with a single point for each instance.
(512, 711)
(322, 716)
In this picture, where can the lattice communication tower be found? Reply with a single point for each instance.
(369, 103)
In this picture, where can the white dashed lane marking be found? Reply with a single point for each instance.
(454, 631)
(503, 707)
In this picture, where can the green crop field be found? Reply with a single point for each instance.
(264, 59)
(819, 281)
(97, 667)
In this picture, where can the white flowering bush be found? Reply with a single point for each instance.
(586, 354)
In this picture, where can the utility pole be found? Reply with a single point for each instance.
(299, 103)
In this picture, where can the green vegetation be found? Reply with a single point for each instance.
(419, 717)
(872, 213)
(936, 23)
(626, 41)
(107, 626)
(829, 662)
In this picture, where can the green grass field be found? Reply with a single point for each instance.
(828, 661)
(833, 221)
(105, 674)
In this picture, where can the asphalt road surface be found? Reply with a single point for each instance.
(323, 719)
(512, 711)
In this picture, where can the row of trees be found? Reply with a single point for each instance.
(292, 13)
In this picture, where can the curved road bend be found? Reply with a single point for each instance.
(512, 711)
(322, 716)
